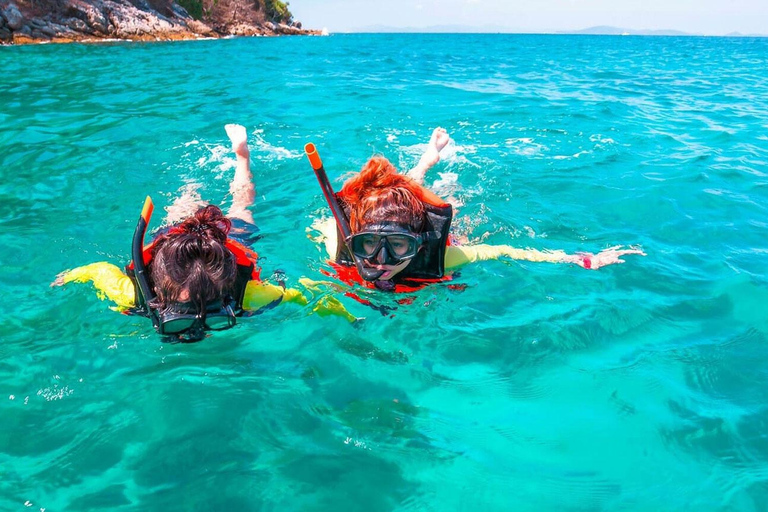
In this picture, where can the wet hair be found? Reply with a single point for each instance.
(380, 194)
(193, 257)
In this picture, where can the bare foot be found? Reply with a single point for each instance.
(437, 142)
(439, 139)
(239, 138)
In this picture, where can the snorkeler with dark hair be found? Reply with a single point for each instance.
(196, 276)
(393, 233)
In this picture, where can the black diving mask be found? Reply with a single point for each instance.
(385, 244)
(184, 318)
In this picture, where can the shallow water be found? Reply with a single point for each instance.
(538, 387)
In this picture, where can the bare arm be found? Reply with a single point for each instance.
(431, 156)
(456, 256)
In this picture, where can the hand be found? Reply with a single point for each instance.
(606, 257)
(59, 281)
(439, 139)
(327, 306)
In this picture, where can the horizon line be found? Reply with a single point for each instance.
(490, 29)
(510, 33)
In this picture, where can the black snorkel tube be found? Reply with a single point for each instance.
(367, 273)
(139, 268)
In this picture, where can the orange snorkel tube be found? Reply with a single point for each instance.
(330, 195)
(137, 253)
(367, 273)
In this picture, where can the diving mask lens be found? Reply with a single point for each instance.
(181, 318)
(223, 319)
(400, 246)
(178, 325)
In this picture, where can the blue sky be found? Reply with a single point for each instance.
(695, 16)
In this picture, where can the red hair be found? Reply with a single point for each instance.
(380, 194)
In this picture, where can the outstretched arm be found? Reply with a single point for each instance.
(431, 156)
(455, 256)
(109, 280)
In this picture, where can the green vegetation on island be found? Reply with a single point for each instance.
(223, 11)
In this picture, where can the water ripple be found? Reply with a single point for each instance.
(637, 386)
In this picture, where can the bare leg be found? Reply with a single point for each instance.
(185, 205)
(431, 156)
(242, 188)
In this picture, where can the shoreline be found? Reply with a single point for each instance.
(31, 22)
(23, 40)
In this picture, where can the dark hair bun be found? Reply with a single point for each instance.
(208, 222)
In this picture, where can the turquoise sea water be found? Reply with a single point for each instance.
(640, 386)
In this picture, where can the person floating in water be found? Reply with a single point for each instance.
(394, 234)
(196, 275)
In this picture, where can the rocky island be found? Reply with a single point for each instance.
(38, 21)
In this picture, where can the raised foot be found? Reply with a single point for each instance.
(239, 138)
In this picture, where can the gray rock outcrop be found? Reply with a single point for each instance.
(31, 21)
(13, 18)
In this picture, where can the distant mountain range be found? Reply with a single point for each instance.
(603, 30)
(435, 29)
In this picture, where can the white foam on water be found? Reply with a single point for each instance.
(394, 134)
(53, 393)
(525, 146)
(575, 155)
(451, 155)
(447, 184)
(258, 143)
(216, 153)
(600, 140)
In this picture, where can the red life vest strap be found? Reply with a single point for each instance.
(245, 256)
(349, 276)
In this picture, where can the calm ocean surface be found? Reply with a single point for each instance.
(641, 386)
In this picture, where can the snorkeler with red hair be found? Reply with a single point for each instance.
(394, 234)
(198, 274)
